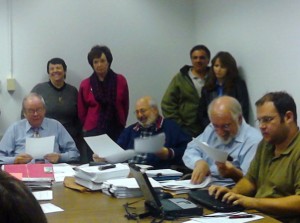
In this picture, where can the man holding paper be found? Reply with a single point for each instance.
(151, 123)
(13, 144)
(228, 132)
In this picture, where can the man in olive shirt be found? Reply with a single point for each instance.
(274, 174)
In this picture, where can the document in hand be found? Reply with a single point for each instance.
(39, 147)
(215, 154)
(124, 188)
(151, 144)
(92, 173)
(105, 147)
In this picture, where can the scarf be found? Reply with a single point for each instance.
(105, 93)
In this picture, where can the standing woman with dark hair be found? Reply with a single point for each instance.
(224, 79)
(103, 99)
(60, 98)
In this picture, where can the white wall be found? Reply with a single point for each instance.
(149, 39)
(262, 35)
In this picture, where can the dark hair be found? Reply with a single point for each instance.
(57, 61)
(282, 101)
(17, 203)
(97, 51)
(227, 60)
(200, 47)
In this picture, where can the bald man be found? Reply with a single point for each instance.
(150, 123)
(227, 132)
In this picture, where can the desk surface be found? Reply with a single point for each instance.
(95, 207)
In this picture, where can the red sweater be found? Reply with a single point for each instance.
(89, 108)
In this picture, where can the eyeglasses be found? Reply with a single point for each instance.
(142, 111)
(265, 120)
(33, 111)
(224, 127)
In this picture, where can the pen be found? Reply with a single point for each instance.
(241, 216)
(106, 167)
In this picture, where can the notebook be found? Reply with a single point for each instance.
(203, 198)
(170, 208)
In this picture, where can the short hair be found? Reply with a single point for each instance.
(57, 60)
(17, 203)
(32, 95)
(200, 47)
(283, 102)
(97, 51)
(153, 104)
(233, 106)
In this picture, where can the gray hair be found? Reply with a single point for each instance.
(32, 95)
(233, 106)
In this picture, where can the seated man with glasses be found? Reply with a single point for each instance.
(12, 145)
(272, 183)
(150, 123)
(227, 132)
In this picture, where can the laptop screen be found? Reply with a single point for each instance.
(145, 185)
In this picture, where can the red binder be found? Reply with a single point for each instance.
(31, 171)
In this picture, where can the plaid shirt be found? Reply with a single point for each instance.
(146, 132)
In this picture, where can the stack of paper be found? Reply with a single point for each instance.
(125, 188)
(35, 176)
(164, 174)
(92, 178)
(183, 186)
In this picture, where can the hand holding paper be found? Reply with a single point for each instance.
(217, 155)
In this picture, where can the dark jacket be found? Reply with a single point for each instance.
(176, 139)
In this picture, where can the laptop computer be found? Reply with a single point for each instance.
(170, 208)
(203, 198)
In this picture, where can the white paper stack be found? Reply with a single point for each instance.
(125, 188)
(92, 178)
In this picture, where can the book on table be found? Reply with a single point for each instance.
(35, 176)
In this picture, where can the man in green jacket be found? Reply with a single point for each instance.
(181, 100)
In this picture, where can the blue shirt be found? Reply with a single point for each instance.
(14, 140)
(242, 149)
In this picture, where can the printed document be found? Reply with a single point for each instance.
(217, 155)
(39, 147)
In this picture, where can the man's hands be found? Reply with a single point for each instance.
(52, 157)
(163, 153)
(224, 193)
(200, 171)
(97, 158)
(23, 158)
(228, 170)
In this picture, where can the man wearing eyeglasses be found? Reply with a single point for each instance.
(272, 183)
(12, 145)
(151, 123)
(227, 132)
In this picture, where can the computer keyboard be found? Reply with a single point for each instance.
(203, 198)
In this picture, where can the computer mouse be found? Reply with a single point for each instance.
(165, 195)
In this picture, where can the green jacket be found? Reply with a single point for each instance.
(181, 103)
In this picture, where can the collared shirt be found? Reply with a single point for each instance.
(14, 140)
(242, 149)
(198, 82)
(279, 176)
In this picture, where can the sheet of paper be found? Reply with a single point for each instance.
(150, 144)
(213, 153)
(49, 208)
(44, 195)
(62, 170)
(185, 184)
(121, 156)
(39, 147)
(226, 219)
(103, 145)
